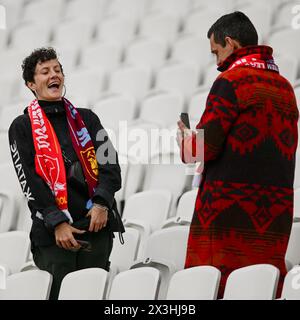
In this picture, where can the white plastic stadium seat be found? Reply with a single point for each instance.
(146, 211)
(85, 83)
(260, 14)
(178, 77)
(197, 283)
(255, 282)
(291, 285)
(130, 9)
(147, 52)
(84, 284)
(113, 108)
(43, 12)
(117, 30)
(7, 90)
(123, 255)
(178, 9)
(296, 216)
(284, 14)
(199, 22)
(11, 194)
(166, 251)
(131, 80)
(197, 104)
(3, 39)
(288, 66)
(30, 36)
(292, 255)
(88, 10)
(169, 245)
(162, 108)
(285, 41)
(185, 210)
(166, 171)
(101, 55)
(160, 26)
(135, 284)
(66, 31)
(224, 5)
(192, 48)
(14, 250)
(27, 285)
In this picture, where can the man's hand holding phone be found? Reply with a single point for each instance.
(183, 128)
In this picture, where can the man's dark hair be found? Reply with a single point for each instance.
(37, 56)
(235, 25)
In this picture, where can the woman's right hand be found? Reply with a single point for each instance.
(64, 236)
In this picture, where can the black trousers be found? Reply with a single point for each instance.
(60, 262)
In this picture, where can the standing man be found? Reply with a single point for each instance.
(244, 208)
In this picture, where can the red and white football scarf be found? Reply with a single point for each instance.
(255, 61)
(49, 163)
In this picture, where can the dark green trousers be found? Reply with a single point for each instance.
(60, 262)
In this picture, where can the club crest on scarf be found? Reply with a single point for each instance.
(90, 162)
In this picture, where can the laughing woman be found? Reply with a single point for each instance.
(70, 192)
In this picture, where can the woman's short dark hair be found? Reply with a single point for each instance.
(37, 56)
(235, 25)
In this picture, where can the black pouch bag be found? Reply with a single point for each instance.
(76, 175)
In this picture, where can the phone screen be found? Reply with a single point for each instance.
(185, 119)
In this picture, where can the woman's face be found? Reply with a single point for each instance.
(48, 81)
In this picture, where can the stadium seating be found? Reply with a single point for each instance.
(256, 282)
(143, 62)
(136, 284)
(291, 288)
(27, 285)
(14, 250)
(85, 284)
(293, 251)
(197, 283)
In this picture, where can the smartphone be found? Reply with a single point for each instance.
(184, 117)
(85, 245)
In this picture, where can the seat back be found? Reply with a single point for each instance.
(135, 284)
(186, 205)
(291, 285)
(168, 245)
(123, 256)
(293, 250)
(27, 285)
(150, 207)
(14, 249)
(197, 283)
(85, 284)
(255, 282)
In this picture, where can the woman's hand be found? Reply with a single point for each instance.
(99, 216)
(64, 236)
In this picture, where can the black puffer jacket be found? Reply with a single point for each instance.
(44, 211)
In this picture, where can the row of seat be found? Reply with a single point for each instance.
(129, 97)
(276, 12)
(137, 251)
(256, 282)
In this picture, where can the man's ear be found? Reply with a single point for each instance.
(232, 43)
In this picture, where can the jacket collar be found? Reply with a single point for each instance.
(265, 51)
(50, 107)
